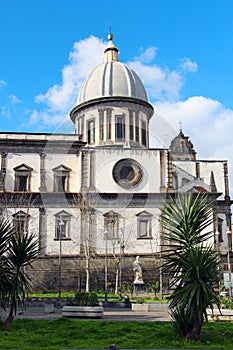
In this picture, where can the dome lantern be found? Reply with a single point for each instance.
(111, 52)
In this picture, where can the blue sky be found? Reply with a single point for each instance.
(181, 49)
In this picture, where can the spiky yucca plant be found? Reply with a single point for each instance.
(17, 251)
(191, 261)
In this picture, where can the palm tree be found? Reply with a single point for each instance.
(191, 261)
(17, 251)
(6, 231)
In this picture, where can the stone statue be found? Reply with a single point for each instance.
(137, 268)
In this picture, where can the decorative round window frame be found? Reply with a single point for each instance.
(127, 173)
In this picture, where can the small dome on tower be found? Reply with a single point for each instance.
(112, 78)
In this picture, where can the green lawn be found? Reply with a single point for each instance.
(67, 334)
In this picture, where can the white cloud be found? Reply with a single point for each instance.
(45, 120)
(206, 121)
(5, 112)
(160, 83)
(188, 66)
(2, 83)
(14, 99)
(148, 55)
(86, 54)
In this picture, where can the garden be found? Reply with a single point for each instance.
(193, 265)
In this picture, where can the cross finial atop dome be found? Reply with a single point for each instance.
(111, 52)
(180, 126)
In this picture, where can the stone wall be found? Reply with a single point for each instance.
(45, 273)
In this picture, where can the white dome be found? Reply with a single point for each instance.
(111, 79)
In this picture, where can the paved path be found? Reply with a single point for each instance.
(38, 313)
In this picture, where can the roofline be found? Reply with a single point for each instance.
(33, 133)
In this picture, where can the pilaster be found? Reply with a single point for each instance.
(42, 230)
(42, 173)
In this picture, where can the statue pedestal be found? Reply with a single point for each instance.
(138, 287)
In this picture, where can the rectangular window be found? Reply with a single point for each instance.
(131, 126)
(120, 128)
(81, 128)
(143, 228)
(60, 183)
(220, 229)
(137, 128)
(143, 132)
(109, 124)
(61, 178)
(22, 183)
(21, 225)
(23, 178)
(62, 228)
(111, 226)
(21, 222)
(144, 225)
(112, 230)
(101, 128)
(91, 132)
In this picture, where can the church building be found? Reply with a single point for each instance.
(94, 197)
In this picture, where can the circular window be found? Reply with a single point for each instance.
(127, 173)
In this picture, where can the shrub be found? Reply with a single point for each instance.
(84, 299)
(140, 300)
(227, 303)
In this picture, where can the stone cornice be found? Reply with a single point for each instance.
(92, 200)
(112, 101)
(19, 145)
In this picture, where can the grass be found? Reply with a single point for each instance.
(67, 334)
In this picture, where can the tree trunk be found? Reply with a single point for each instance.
(195, 332)
(8, 321)
(87, 274)
(117, 280)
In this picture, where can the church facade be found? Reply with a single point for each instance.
(94, 198)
